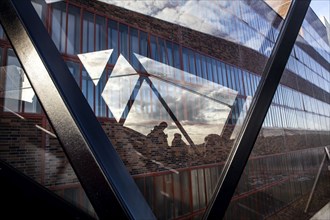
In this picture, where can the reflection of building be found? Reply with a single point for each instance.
(200, 84)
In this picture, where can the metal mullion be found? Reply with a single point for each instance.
(245, 141)
(109, 186)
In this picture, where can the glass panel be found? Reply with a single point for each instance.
(41, 8)
(123, 38)
(134, 46)
(28, 142)
(171, 95)
(88, 32)
(278, 180)
(100, 33)
(58, 25)
(88, 88)
(73, 35)
(113, 40)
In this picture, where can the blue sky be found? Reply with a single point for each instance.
(321, 8)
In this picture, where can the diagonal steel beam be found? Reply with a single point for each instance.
(109, 186)
(245, 141)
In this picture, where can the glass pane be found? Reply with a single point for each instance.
(73, 32)
(290, 150)
(58, 24)
(27, 140)
(170, 82)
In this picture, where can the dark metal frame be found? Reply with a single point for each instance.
(245, 141)
(100, 170)
(31, 199)
(103, 175)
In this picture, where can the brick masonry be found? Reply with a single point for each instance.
(40, 156)
(21, 145)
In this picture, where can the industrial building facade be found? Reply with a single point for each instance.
(172, 97)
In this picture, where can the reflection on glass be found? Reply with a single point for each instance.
(202, 86)
(119, 87)
(88, 32)
(199, 115)
(192, 114)
(73, 31)
(59, 25)
(203, 16)
(95, 62)
(17, 86)
(286, 158)
(150, 118)
(19, 96)
(173, 97)
(27, 140)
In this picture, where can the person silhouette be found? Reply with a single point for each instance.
(158, 136)
(159, 146)
(177, 141)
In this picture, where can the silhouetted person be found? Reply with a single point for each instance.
(177, 141)
(179, 150)
(157, 135)
(159, 141)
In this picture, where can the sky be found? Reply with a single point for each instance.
(321, 8)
